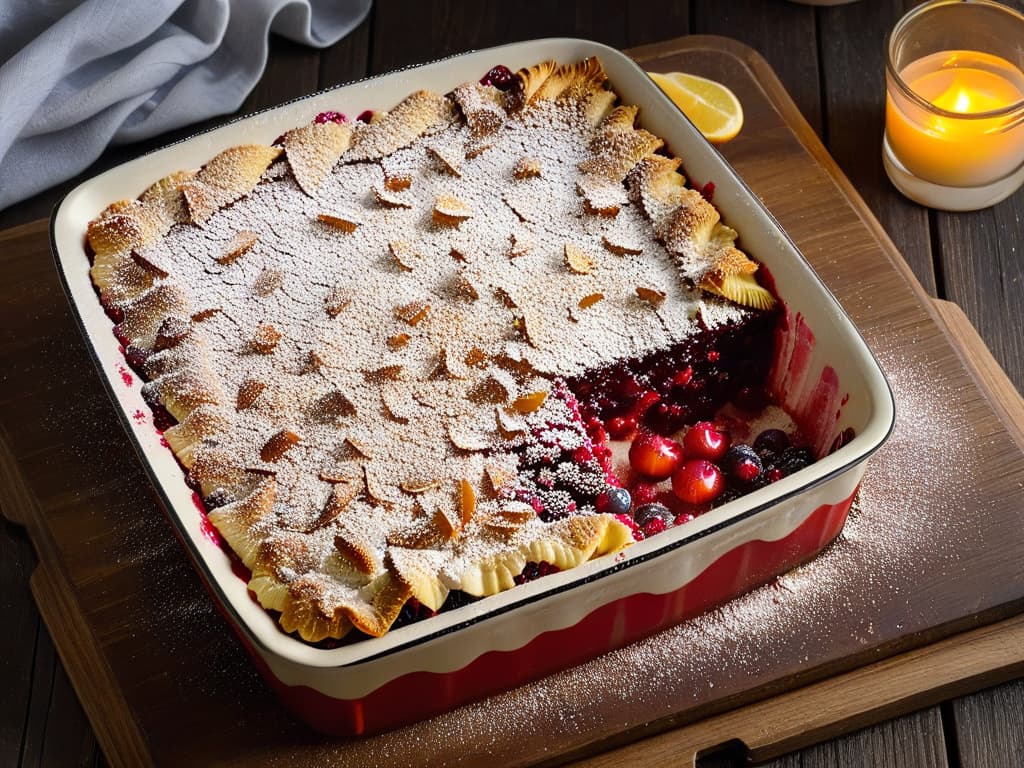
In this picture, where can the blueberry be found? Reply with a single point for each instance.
(615, 501)
(793, 459)
(647, 512)
(771, 441)
(742, 464)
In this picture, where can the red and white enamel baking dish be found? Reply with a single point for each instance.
(824, 374)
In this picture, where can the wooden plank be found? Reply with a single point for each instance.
(854, 91)
(844, 704)
(656, 20)
(988, 727)
(348, 59)
(292, 70)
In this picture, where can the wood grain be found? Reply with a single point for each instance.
(987, 728)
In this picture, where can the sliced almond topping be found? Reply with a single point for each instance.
(517, 512)
(578, 260)
(268, 281)
(489, 390)
(313, 149)
(341, 475)
(419, 485)
(390, 199)
(521, 243)
(466, 439)
(398, 341)
(404, 255)
(451, 365)
(227, 177)
(474, 357)
(449, 529)
(376, 489)
(248, 391)
(335, 404)
(336, 301)
(526, 168)
(238, 245)
(620, 248)
(342, 494)
(449, 211)
(467, 500)
(465, 287)
(278, 444)
(448, 157)
(476, 150)
(397, 183)
(652, 296)
(314, 362)
(501, 477)
(387, 373)
(171, 332)
(205, 314)
(500, 526)
(413, 313)
(266, 338)
(345, 222)
(509, 425)
(590, 300)
(358, 447)
(531, 402)
(533, 327)
(356, 552)
(741, 288)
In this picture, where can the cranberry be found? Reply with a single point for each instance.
(365, 116)
(705, 441)
(654, 526)
(771, 441)
(698, 481)
(330, 117)
(774, 475)
(499, 76)
(614, 501)
(742, 464)
(646, 513)
(644, 403)
(654, 456)
(682, 378)
(645, 493)
(682, 518)
(620, 427)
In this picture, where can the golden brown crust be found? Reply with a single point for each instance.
(420, 113)
(227, 177)
(312, 151)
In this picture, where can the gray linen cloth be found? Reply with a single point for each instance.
(77, 75)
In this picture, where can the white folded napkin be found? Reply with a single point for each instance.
(76, 76)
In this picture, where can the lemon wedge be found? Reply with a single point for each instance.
(712, 107)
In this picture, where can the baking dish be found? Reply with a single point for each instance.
(823, 372)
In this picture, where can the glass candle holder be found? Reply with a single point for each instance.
(954, 118)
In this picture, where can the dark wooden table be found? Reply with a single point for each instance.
(831, 60)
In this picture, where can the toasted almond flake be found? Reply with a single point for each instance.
(590, 300)
(476, 150)
(448, 157)
(447, 527)
(205, 314)
(466, 440)
(342, 494)
(450, 211)
(465, 287)
(741, 288)
(501, 477)
(346, 223)
(266, 338)
(475, 357)
(517, 513)
(398, 341)
(509, 425)
(390, 199)
(337, 476)
(608, 210)
(533, 327)
(171, 332)
(451, 365)
(652, 296)
(467, 500)
(419, 485)
(413, 313)
(501, 527)
(278, 445)
(385, 373)
(336, 300)
(488, 390)
(335, 404)
(268, 281)
(375, 488)
(521, 243)
(314, 362)
(313, 149)
(358, 447)
(620, 248)
(403, 254)
(578, 260)
(526, 168)
(240, 244)
(397, 183)
(356, 552)
(530, 403)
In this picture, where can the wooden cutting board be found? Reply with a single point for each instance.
(920, 599)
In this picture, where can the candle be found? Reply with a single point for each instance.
(963, 139)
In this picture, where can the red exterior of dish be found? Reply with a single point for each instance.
(420, 695)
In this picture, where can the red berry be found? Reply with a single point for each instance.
(698, 481)
(704, 441)
(645, 493)
(499, 76)
(630, 523)
(653, 526)
(682, 378)
(683, 517)
(654, 456)
(620, 427)
(330, 117)
(365, 116)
